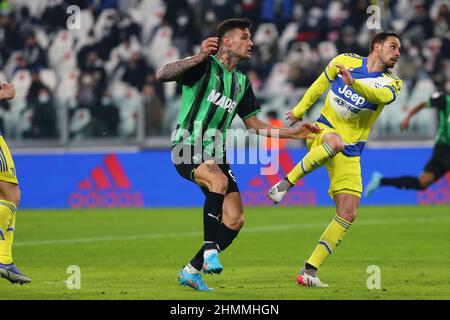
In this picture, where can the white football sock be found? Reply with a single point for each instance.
(190, 269)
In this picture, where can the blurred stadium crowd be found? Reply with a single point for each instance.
(98, 80)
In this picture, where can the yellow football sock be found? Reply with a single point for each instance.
(314, 159)
(330, 239)
(7, 224)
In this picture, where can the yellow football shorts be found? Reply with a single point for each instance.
(344, 172)
(7, 169)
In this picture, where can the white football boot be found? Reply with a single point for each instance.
(278, 191)
(307, 280)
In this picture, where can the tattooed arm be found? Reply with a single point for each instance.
(172, 71)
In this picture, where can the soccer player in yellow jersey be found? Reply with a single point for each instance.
(9, 200)
(360, 89)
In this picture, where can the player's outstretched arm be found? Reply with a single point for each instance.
(383, 95)
(7, 91)
(262, 128)
(309, 98)
(405, 122)
(172, 71)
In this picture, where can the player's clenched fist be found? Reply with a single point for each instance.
(7, 91)
(209, 46)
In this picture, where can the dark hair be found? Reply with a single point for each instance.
(381, 38)
(231, 24)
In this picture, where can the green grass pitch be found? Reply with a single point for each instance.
(137, 253)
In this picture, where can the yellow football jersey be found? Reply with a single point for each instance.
(351, 110)
(7, 169)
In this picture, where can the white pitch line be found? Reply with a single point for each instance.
(272, 228)
(55, 282)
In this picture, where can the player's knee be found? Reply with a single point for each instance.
(11, 194)
(337, 145)
(348, 215)
(15, 196)
(335, 142)
(219, 184)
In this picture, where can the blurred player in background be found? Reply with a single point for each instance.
(360, 88)
(438, 165)
(213, 92)
(9, 201)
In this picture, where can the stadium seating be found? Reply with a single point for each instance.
(11, 64)
(49, 78)
(149, 14)
(288, 35)
(86, 25)
(21, 81)
(277, 78)
(36, 8)
(42, 38)
(265, 34)
(60, 52)
(155, 29)
(79, 121)
(104, 23)
(128, 101)
(15, 121)
(68, 86)
(327, 51)
(160, 43)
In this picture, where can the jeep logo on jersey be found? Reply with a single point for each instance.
(221, 100)
(354, 97)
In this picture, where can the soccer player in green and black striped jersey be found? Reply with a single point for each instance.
(213, 92)
(438, 165)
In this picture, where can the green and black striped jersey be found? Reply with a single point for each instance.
(211, 97)
(441, 101)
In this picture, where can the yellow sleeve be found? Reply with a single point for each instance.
(383, 95)
(331, 71)
(311, 96)
(318, 87)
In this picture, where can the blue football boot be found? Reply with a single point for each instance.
(373, 184)
(212, 264)
(12, 274)
(195, 281)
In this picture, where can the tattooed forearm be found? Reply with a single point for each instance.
(172, 71)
